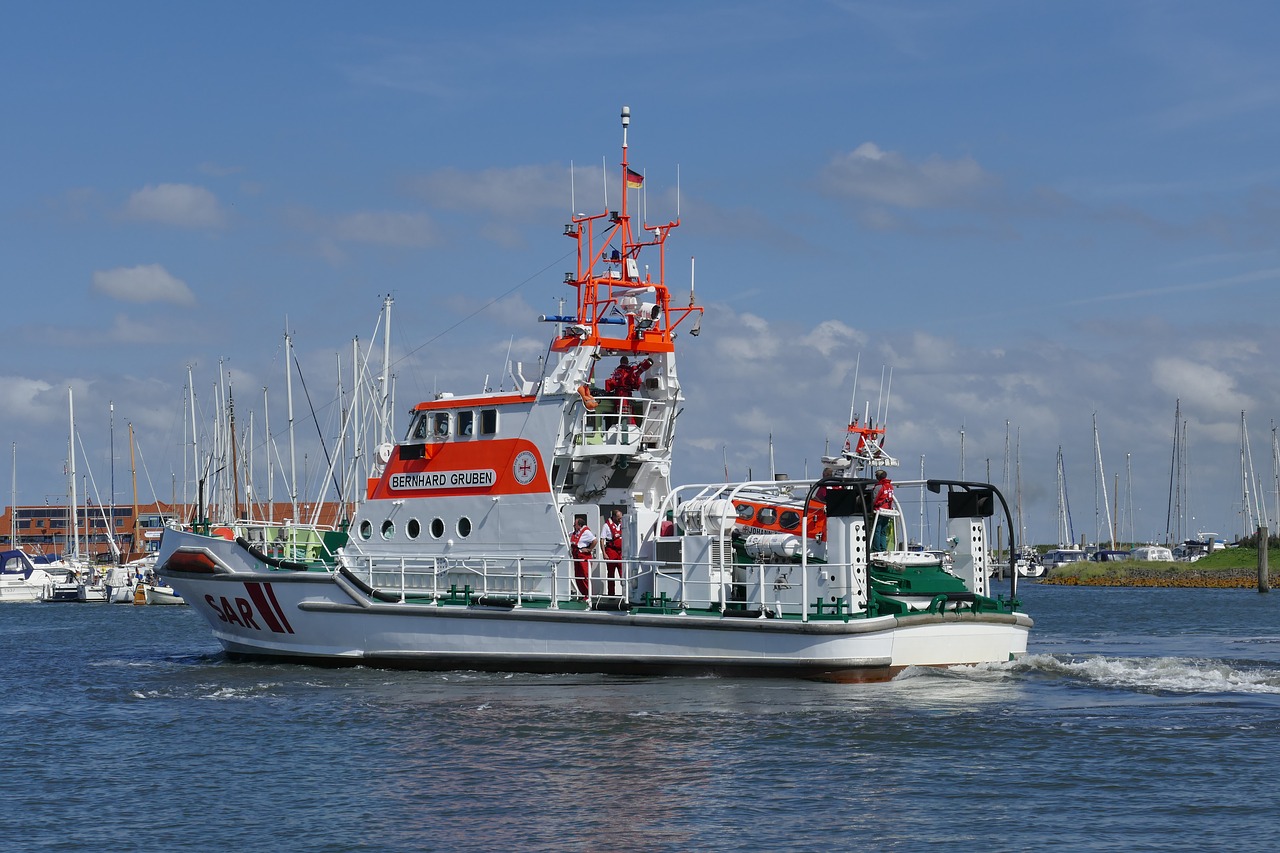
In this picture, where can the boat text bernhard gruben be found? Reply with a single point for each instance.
(479, 479)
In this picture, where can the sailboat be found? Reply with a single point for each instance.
(1066, 552)
(80, 571)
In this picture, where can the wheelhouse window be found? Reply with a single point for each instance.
(420, 427)
(488, 421)
(466, 423)
(440, 424)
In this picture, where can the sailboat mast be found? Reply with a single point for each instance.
(133, 475)
(268, 444)
(195, 448)
(1102, 481)
(288, 392)
(13, 502)
(388, 435)
(111, 499)
(71, 463)
(1128, 498)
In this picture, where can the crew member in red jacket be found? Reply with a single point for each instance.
(625, 381)
(883, 500)
(611, 536)
(582, 542)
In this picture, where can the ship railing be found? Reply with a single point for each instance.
(618, 426)
(517, 580)
(779, 589)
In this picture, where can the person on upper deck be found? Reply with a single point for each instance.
(883, 500)
(625, 381)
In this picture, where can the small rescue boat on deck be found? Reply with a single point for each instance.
(470, 552)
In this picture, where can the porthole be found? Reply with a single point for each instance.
(437, 528)
(790, 519)
(413, 529)
(366, 529)
(464, 527)
(745, 512)
(767, 515)
(388, 529)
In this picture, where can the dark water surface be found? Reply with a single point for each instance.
(1142, 719)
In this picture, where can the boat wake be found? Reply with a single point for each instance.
(1151, 675)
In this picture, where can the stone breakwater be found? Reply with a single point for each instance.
(1198, 578)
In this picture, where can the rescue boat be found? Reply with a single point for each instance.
(468, 552)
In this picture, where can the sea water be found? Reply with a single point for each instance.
(1141, 719)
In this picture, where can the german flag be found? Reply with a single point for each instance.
(635, 180)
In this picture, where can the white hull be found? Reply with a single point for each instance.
(20, 590)
(119, 594)
(23, 581)
(328, 617)
(92, 593)
(159, 595)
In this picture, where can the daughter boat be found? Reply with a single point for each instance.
(479, 544)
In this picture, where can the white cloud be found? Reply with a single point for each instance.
(871, 174)
(180, 205)
(147, 283)
(21, 397)
(832, 334)
(1198, 385)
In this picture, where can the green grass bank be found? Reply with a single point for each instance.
(1231, 567)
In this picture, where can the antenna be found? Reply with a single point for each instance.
(503, 381)
(880, 399)
(773, 471)
(604, 171)
(697, 324)
(853, 398)
(573, 193)
(885, 420)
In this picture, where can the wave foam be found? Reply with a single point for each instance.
(1168, 674)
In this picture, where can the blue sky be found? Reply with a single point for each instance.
(1031, 213)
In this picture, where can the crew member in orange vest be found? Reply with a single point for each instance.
(582, 541)
(625, 381)
(883, 500)
(612, 538)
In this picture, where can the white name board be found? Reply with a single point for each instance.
(477, 479)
